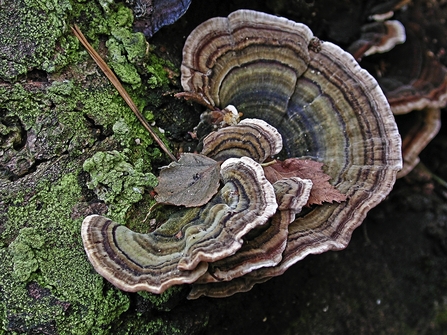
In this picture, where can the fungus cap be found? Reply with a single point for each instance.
(323, 104)
(252, 138)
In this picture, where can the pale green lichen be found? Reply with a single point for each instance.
(117, 182)
(58, 115)
(62, 264)
(126, 50)
(55, 106)
(120, 17)
(106, 4)
(134, 44)
(117, 60)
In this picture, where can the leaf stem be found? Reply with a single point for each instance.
(115, 81)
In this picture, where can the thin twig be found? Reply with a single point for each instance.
(114, 80)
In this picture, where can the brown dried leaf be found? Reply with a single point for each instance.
(190, 182)
(322, 190)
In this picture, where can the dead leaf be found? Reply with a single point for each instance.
(190, 182)
(322, 190)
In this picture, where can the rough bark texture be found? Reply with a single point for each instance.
(69, 147)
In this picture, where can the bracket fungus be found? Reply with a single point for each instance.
(413, 79)
(252, 138)
(301, 99)
(425, 125)
(323, 104)
(263, 247)
(378, 37)
(417, 80)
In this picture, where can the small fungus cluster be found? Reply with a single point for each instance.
(411, 76)
(306, 103)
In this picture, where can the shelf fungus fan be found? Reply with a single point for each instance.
(264, 247)
(324, 105)
(178, 251)
(252, 138)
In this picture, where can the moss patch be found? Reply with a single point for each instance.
(47, 254)
(30, 36)
(56, 112)
(116, 181)
(23, 251)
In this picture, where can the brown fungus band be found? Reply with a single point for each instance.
(323, 104)
(378, 37)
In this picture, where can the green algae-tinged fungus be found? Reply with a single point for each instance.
(324, 105)
(263, 247)
(178, 251)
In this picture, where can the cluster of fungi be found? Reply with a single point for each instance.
(302, 100)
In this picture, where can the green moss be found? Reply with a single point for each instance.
(116, 181)
(58, 117)
(47, 284)
(31, 37)
(23, 252)
(441, 320)
(43, 213)
(89, 16)
(158, 68)
(160, 301)
(50, 117)
(58, 265)
(142, 326)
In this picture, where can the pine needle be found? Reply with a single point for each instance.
(115, 81)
